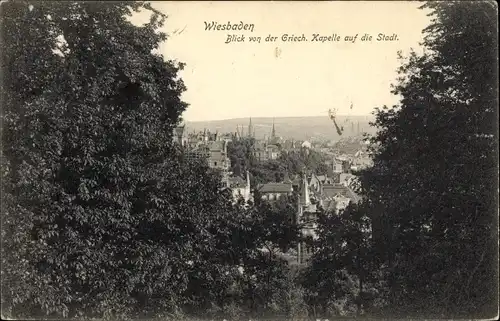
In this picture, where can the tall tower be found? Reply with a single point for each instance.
(303, 202)
(250, 128)
(273, 132)
(304, 194)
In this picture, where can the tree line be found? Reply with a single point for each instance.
(103, 217)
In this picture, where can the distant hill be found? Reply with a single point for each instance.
(300, 128)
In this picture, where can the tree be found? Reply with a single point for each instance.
(433, 183)
(343, 275)
(102, 217)
(241, 156)
(248, 244)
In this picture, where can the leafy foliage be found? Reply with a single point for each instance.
(241, 155)
(103, 217)
(289, 163)
(85, 159)
(342, 278)
(434, 180)
(295, 162)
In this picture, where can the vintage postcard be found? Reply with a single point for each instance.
(259, 160)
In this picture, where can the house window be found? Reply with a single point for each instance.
(215, 163)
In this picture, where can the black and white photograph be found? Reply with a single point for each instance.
(249, 160)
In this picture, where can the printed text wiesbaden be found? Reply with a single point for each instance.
(213, 25)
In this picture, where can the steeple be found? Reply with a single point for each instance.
(273, 132)
(250, 128)
(304, 193)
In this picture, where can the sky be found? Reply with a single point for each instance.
(288, 79)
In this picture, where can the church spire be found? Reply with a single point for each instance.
(304, 193)
(250, 128)
(273, 132)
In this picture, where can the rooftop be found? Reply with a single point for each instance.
(331, 190)
(329, 204)
(275, 188)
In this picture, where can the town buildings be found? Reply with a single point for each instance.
(207, 145)
(332, 191)
(264, 151)
(267, 149)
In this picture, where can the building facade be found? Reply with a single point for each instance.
(215, 152)
(274, 191)
(240, 188)
(263, 151)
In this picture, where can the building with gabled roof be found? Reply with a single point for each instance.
(263, 151)
(215, 152)
(274, 191)
(240, 187)
(341, 196)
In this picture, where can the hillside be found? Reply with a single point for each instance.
(300, 128)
